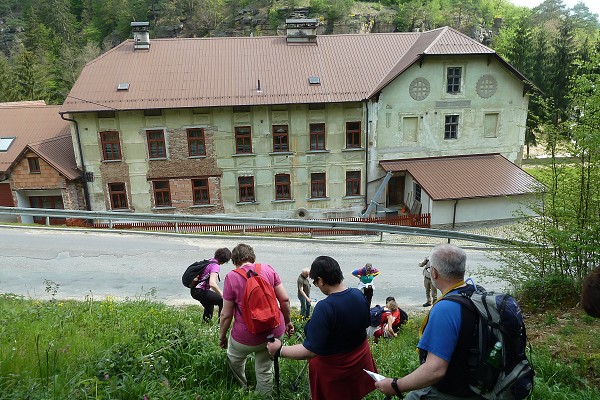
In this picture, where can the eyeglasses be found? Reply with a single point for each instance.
(315, 281)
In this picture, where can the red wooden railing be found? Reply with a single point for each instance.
(414, 220)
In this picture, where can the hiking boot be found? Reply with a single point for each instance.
(426, 304)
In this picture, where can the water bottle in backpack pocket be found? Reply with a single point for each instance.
(498, 363)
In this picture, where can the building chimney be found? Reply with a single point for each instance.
(301, 30)
(141, 36)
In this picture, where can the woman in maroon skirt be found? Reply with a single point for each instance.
(336, 340)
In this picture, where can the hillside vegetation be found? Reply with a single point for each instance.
(45, 43)
(141, 349)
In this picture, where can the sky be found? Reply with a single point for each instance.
(593, 5)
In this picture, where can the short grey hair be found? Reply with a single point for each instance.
(450, 261)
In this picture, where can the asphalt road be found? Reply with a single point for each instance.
(127, 265)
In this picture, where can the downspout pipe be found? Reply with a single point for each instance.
(86, 192)
(454, 216)
(367, 154)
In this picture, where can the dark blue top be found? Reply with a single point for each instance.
(338, 323)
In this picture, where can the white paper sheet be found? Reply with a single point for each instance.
(376, 377)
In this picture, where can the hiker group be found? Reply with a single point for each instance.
(471, 346)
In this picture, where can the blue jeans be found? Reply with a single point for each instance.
(304, 307)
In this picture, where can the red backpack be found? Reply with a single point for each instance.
(260, 309)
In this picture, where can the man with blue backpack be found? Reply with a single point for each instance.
(472, 343)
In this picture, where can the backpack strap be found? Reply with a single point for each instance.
(197, 281)
(251, 271)
(462, 299)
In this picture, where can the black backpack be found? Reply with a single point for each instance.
(499, 320)
(375, 313)
(192, 275)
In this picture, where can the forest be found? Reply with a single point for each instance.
(44, 44)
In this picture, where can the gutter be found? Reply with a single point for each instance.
(454, 216)
(86, 192)
(367, 155)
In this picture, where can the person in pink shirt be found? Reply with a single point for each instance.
(241, 342)
(207, 291)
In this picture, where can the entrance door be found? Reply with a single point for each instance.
(395, 192)
(6, 199)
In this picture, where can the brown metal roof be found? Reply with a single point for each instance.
(28, 122)
(58, 152)
(208, 72)
(436, 42)
(461, 177)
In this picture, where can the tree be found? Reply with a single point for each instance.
(515, 43)
(584, 18)
(562, 67)
(334, 10)
(205, 15)
(29, 81)
(6, 92)
(564, 240)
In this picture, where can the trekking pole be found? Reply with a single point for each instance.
(271, 338)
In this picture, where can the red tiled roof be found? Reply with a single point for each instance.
(461, 177)
(28, 122)
(210, 72)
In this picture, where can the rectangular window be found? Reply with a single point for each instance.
(49, 202)
(243, 140)
(353, 183)
(106, 114)
(490, 125)
(246, 187)
(451, 127)
(282, 187)
(280, 138)
(241, 109)
(453, 76)
(153, 112)
(156, 144)
(201, 193)
(417, 192)
(162, 194)
(196, 145)
(118, 196)
(353, 135)
(111, 147)
(317, 185)
(34, 165)
(410, 126)
(317, 136)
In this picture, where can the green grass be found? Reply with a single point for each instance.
(142, 349)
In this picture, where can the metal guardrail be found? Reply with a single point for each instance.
(111, 216)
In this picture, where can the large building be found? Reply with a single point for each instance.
(303, 126)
